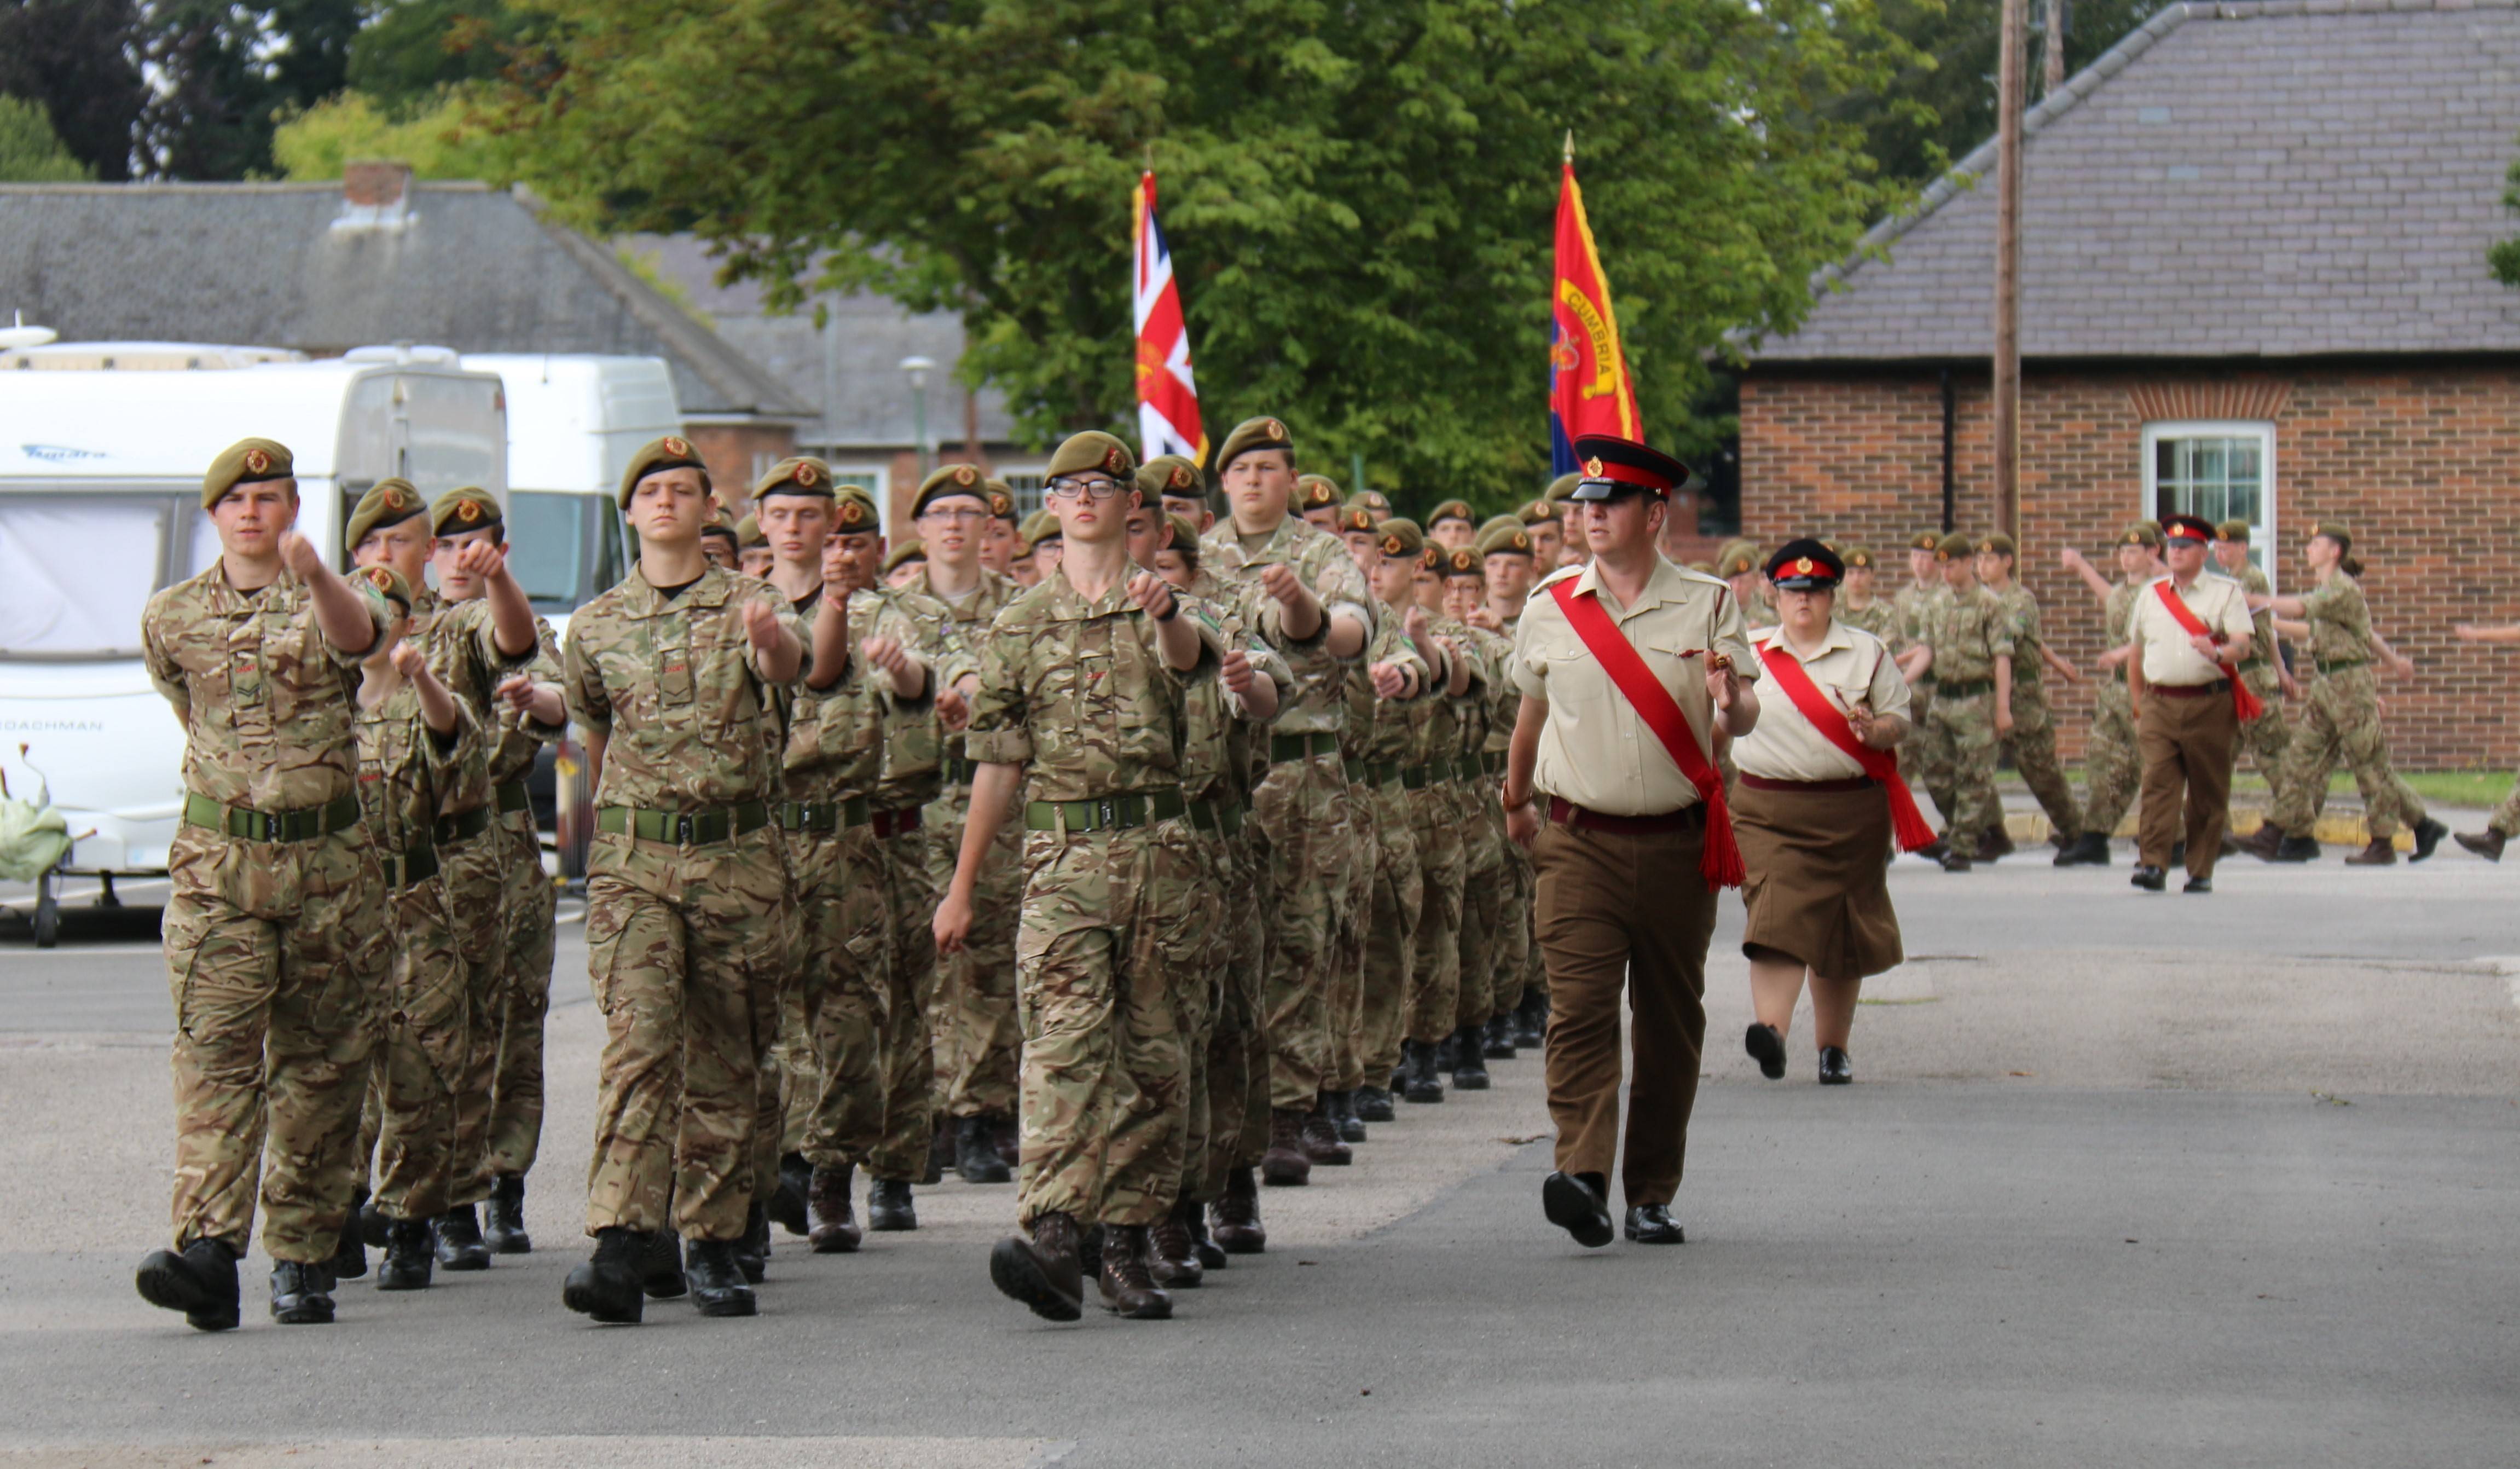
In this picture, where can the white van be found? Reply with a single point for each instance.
(102, 449)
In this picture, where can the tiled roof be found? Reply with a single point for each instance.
(472, 268)
(2278, 179)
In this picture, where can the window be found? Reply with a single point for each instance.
(76, 567)
(1026, 484)
(2219, 471)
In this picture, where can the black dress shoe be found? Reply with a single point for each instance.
(2198, 885)
(460, 1246)
(2428, 834)
(1653, 1224)
(888, 1205)
(608, 1286)
(2150, 878)
(718, 1286)
(1573, 1202)
(1835, 1070)
(201, 1282)
(301, 1294)
(1766, 1047)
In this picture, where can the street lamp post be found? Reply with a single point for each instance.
(918, 369)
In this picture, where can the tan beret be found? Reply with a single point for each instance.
(673, 451)
(1093, 450)
(390, 501)
(949, 479)
(247, 461)
(853, 512)
(466, 509)
(1254, 434)
(796, 474)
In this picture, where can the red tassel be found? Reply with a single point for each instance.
(1721, 863)
(2243, 703)
(1908, 825)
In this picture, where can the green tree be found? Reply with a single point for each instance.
(229, 74)
(80, 60)
(1358, 197)
(413, 52)
(439, 141)
(31, 151)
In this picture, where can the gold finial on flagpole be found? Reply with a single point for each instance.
(1570, 144)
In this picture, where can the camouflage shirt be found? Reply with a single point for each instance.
(971, 618)
(1218, 755)
(674, 688)
(408, 774)
(2027, 638)
(1969, 631)
(1878, 618)
(1079, 693)
(265, 700)
(835, 743)
(463, 651)
(1379, 729)
(914, 736)
(1914, 607)
(2339, 618)
(1318, 702)
(2261, 622)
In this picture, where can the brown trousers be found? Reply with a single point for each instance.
(2187, 745)
(1624, 912)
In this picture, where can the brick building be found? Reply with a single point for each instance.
(2254, 285)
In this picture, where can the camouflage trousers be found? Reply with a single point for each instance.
(1513, 945)
(1359, 832)
(830, 1048)
(2266, 738)
(1959, 763)
(2033, 744)
(1482, 824)
(1296, 812)
(1391, 932)
(1237, 1044)
(1435, 968)
(909, 1050)
(528, 902)
(1192, 959)
(687, 947)
(974, 1018)
(424, 1055)
(275, 954)
(2341, 720)
(2507, 816)
(2112, 769)
(475, 873)
(1104, 1077)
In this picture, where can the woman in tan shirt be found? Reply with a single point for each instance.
(1815, 825)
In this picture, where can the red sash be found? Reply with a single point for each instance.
(1907, 823)
(2243, 703)
(1721, 864)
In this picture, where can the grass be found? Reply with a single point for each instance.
(2482, 789)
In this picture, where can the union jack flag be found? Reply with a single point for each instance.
(1167, 394)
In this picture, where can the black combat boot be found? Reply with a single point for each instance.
(1236, 1217)
(459, 1240)
(1171, 1261)
(752, 1251)
(608, 1286)
(301, 1294)
(1042, 1269)
(1469, 1066)
(200, 1281)
(888, 1205)
(834, 1223)
(1500, 1037)
(718, 1286)
(1320, 1140)
(1373, 1104)
(1417, 1065)
(1285, 1164)
(787, 1200)
(2428, 834)
(1207, 1252)
(410, 1252)
(350, 1255)
(1341, 1108)
(660, 1265)
(504, 1230)
(2089, 850)
(975, 1153)
(1129, 1287)
(1530, 1020)
(940, 1151)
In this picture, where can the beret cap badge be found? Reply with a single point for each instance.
(967, 476)
(851, 513)
(675, 447)
(467, 511)
(1114, 459)
(257, 461)
(1392, 545)
(806, 475)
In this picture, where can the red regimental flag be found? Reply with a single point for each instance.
(1167, 394)
(1589, 390)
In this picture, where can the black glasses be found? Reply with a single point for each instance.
(1092, 488)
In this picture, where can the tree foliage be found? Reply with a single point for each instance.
(228, 74)
(1359, 197)
(440, 140)
(78, 60)
(31, 151)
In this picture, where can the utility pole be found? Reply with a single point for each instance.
(2051, 55)
(2007, 268)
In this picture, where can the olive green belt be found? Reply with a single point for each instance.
(464, 826)
(958, 772)
(1470, 767)
(1105, 813)
(1301, 746)
(411, 866)
(1356, 768)
(684, 828)
(1968, 689)
(301, 825)
(1222, 816)
(512, 797)
(1420, 777)
(823, 816)
(1492, 761)
(2332, 665)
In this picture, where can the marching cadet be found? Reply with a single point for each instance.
(1022, 569)
(1440, 758)
(1738, 563)
(1185, 496)
(997, 538)
(2504, 823)
(719, 543)
(2028, 732)
(470, 555)
(1637, 842)
(1326, 626)
(690, 921)
(752, 552)
(274, 928)
(2341, 718)
(420, 751)
(1858, 607)
(974, 1013)
(2111, 765)
(2186, 632)
(1317, 500)
(1080, 702)
(1544, 518)
(1507, 555)
(1451, 526)
(2265, 737)
(903, 564)
(1968, 648)
(1913, 604)
(1384, 833)
(1487, 911)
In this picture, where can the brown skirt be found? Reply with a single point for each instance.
(1819, 886)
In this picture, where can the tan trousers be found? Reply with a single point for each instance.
(2186, 743)
(1628, 913)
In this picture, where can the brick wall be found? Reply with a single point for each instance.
(2420, 461)
(738, 453)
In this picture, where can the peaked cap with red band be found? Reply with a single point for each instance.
(1614, 467)
(2193, 528)
(1805, 566)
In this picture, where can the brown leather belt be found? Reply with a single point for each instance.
(1687, 818)
(1816, 787)
(2190, 690)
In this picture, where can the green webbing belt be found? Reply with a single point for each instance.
(1105, 813)
(824, 815)
(2332, 665)
(1222, 816)
(301, 825)
(685, 828)
(1970, 689)
(463, 826)
(514, 797)
(1301, 746)
(412, 866)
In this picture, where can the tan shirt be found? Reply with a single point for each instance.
(2162, 643)
(1596, 751)
(1853, 667)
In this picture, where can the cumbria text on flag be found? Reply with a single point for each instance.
(1168, 396)
(1589, 390)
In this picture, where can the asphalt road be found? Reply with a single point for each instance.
(2125, 1179)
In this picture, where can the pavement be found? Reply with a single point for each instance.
(2124, 1180)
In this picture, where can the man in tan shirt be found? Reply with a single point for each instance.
(2185, 724)
(1622, 901)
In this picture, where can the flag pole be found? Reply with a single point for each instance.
(1570, 146)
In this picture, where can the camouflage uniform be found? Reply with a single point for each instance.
(1881, 619)
(1914, 607)
(974, 1017)
(1078, 693)
(2111, 773)
(2342, 718)
(276, 950)
(1435, 819)
(424, 1057)
(2033, 740)
(1376, 744)
(2266, 736)
(690, 921)
(1481, 821)
(1515, 979)
(1297, 804)
(1967, 632)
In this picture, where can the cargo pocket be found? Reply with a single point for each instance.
(607, 918)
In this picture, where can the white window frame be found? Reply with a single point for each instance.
(1010, 472)
(851, 471)
(2262, 544)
